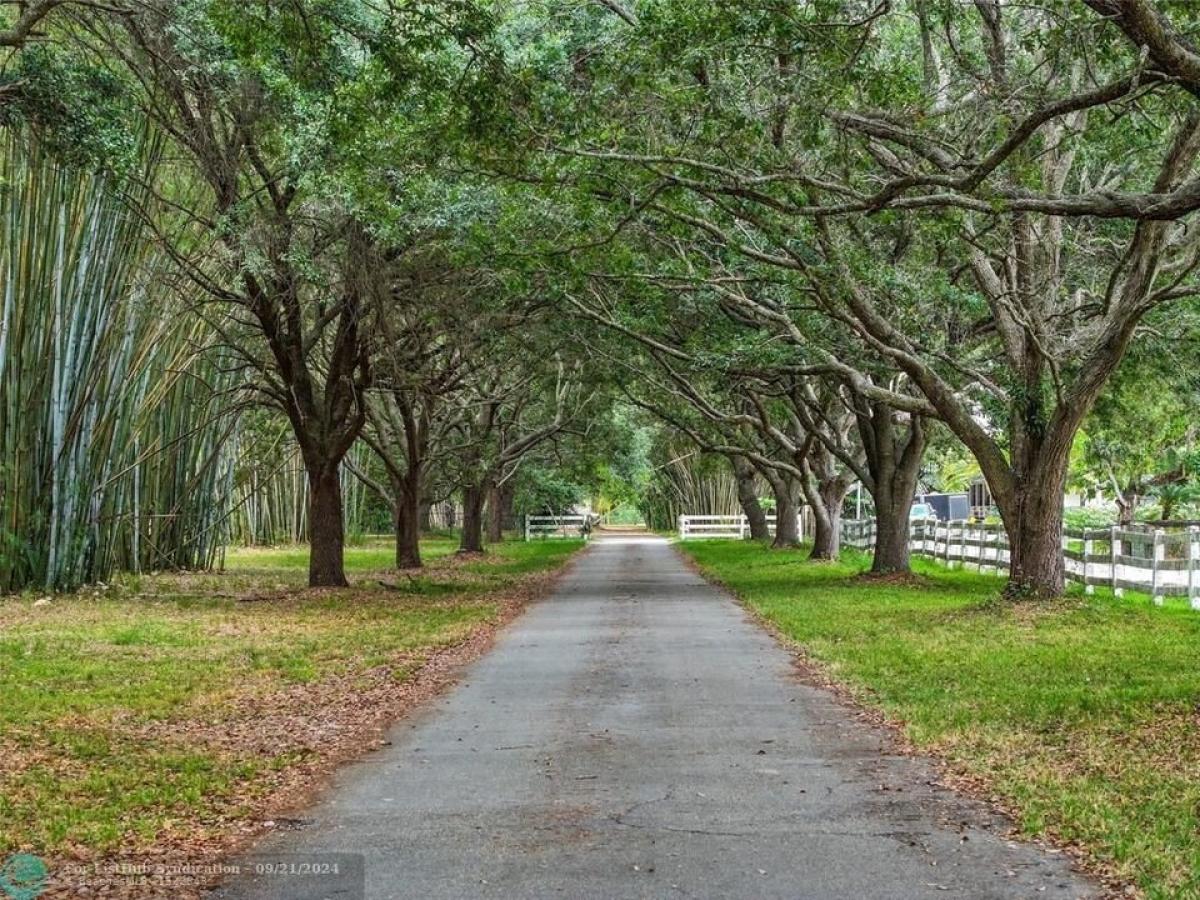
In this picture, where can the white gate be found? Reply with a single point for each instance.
(693, 528)
(557, 527)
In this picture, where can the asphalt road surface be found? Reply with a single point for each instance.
(636, 735)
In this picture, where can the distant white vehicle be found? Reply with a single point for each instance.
(921, 511)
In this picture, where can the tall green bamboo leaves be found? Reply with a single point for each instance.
(109, 433)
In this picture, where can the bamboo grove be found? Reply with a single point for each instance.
(110, 398)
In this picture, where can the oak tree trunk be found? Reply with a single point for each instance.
(471, 540)
(748, 498)
(826, 539)
(787, 526)
(495, 521)
(425, 516)
(894, 456)
(826, 503)
(891, 537)
(326, 528)
(407, 517)
(1033, 519)
(500, 512)
(1127, 503)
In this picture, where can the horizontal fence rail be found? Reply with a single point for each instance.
(1153, 561)
(557, 527)
(693, 528)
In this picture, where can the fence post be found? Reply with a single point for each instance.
(1088, 587)
(1158, 553)
(1193, 560)
(962, 544)
(681, 527)
(527, 526)
(1114, 545)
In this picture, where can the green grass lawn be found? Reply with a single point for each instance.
(371, 554)
(160, 708)
(1081, 714)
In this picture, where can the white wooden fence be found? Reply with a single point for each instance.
(693, 528)
(1154, 561)
(557, 527)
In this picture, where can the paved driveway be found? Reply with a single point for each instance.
(636, 735)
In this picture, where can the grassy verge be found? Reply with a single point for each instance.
(1081, 715)
(164, 710)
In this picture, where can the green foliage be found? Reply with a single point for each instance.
(622, 471)
(1089, 517)
(948, 465)
(79, 111)
(544, 490)
(1142, 437)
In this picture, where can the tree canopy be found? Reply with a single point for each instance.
(477, 251)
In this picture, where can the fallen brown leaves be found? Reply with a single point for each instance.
(312, 727)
